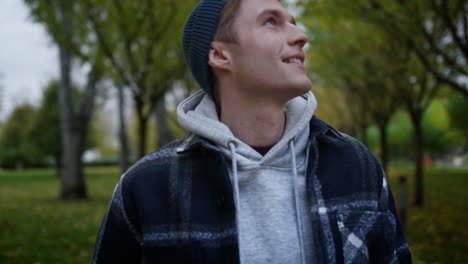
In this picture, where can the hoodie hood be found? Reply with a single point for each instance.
(198, 115)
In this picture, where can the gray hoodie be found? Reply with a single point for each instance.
(271, 207)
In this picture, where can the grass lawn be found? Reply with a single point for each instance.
(438, 232)
(36, 227)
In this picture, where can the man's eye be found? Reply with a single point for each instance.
(270, 21)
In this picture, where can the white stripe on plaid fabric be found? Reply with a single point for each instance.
(355, 240)
(326, 227)
(164, 236)
(349, 205)
(354, 250)
(322, 210)
(383, 199)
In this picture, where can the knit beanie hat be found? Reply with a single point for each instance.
(199, 31)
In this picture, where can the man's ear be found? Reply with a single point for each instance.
(219, 56)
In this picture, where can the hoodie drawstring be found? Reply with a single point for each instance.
(235, 183)
(296, 200)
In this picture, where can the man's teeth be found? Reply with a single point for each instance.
(294, 60)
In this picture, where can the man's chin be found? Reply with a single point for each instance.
(296, 90)
(303, 87)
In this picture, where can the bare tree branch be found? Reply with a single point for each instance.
(443, 79)
(444, 13)
(128, 45)
(464, 18)
(106, 49)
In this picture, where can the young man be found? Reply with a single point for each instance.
(260, 179)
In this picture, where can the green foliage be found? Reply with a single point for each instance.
(357, 62)
(437, 134)
(362, 68)
(45, 133)
(174, 126)
(102, 135)
(133, 138)
(142, 45)
(458, 111)
(432, 30)
(14, 142)
(433, 232)
(58, 17)
(34, 135)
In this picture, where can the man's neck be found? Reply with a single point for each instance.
(254, 123)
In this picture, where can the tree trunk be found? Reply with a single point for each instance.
(73, 186)
(142, 130)
(124, 153)
(363, 116)
(364, 134)
(58, 165)
(164, 134)
(383, 145)
(416, 117)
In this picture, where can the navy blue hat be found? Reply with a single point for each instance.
(199, 31)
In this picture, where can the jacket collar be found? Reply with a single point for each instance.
(319, 128)
(193, 142)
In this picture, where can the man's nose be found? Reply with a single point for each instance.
(297, 37)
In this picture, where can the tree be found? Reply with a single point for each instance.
(408, 80)
(439, 138)
(1, 91)
(141, 41)
(122, 134)
(424, 91)
(164, 134)
(435, 30)
(458, 111)
(101, 127)
(67, 28)
(359, 59)
(45, 130)
(14, 141)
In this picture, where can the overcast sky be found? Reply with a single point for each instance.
(28, 60)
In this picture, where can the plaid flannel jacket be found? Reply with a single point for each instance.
(176, 206)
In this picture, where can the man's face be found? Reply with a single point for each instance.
(269, 59)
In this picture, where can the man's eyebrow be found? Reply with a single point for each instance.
(276, 13)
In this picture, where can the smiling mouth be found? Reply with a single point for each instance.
(294, 60)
